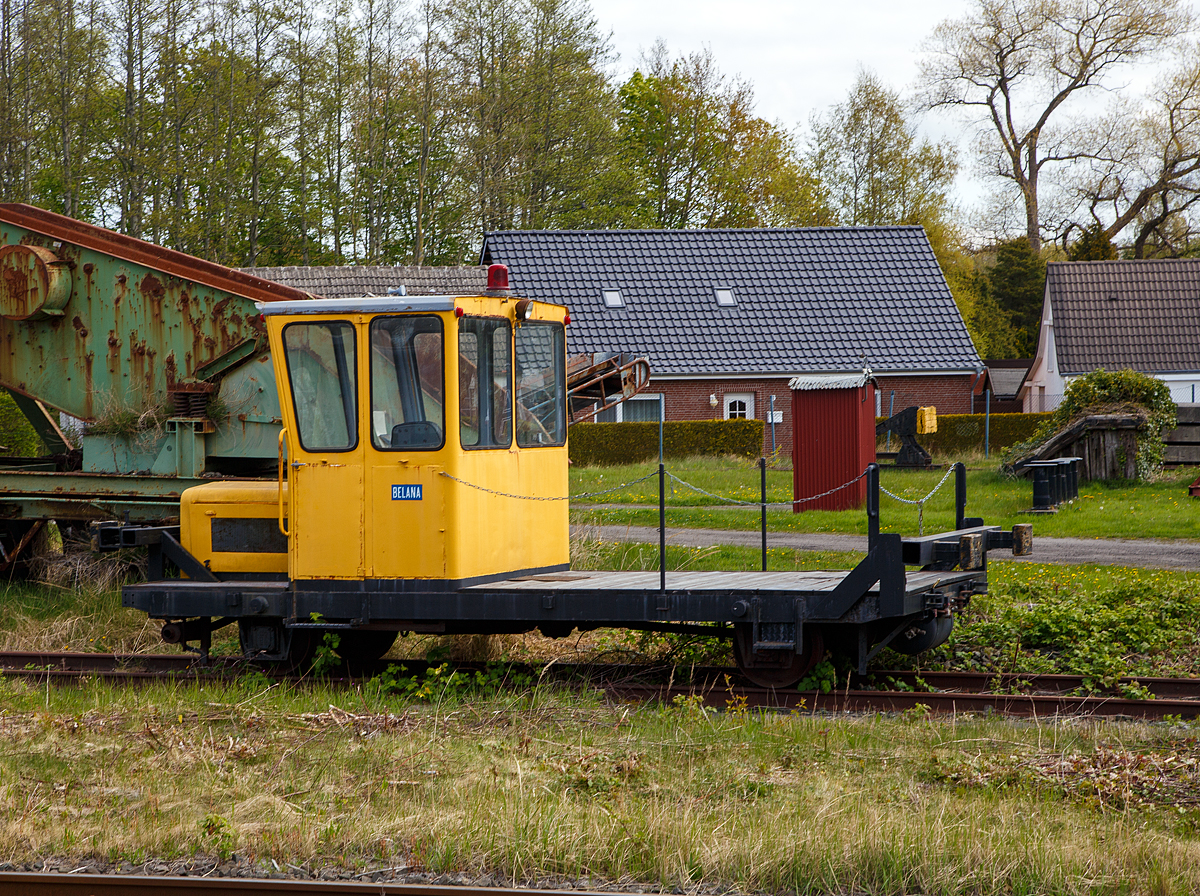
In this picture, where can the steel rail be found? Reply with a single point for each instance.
(58, 884)
(1008, 693)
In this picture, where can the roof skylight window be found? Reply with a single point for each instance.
(613, 299)
(725, 297)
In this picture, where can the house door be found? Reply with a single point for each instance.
(739, 405)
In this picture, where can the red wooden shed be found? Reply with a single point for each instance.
(833, 420)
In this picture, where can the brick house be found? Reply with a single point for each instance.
(727, 317)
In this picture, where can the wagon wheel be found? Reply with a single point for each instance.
(292, 649)
(361, 648)
(775, 668)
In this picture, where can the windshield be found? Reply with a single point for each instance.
(407, 400)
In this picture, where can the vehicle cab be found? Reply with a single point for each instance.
(423, 438)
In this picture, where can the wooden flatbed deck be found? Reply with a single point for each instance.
(724, 582)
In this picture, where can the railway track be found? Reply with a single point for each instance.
(894, 691)
(34, 884)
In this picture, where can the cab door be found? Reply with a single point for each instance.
(325, 450)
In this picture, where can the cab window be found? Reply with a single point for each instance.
(485, 382)
(321, 374)
(407, 394)
(541, 392)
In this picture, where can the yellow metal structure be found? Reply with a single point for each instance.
(231, 527)
(379, 490)
(926, 420)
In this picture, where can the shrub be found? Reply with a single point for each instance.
(608, 444)
(957, 433)
(1102, 391)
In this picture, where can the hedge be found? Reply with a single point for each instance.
(964, 432)
(607, 444)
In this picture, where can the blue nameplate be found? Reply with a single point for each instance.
(406, 493)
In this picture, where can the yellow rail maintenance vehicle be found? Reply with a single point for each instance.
(422, 487)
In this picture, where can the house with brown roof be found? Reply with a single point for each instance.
(1117, 315)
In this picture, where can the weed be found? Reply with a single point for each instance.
(823, 678)
(217, 833)
(326, 658)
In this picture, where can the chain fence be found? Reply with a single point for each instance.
(919, 502)
(498, 493)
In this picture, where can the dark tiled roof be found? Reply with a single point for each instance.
(1006, 381)
(808, 300)
(375, 280)
(1142, 315)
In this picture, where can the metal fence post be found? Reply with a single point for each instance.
(662, 509)
(987, 421)
(762, 468)
(872, 505)
(773, 422)
(960, 495)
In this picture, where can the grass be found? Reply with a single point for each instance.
(1159, 509)
(554, 786)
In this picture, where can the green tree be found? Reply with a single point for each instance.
(1093, 245)
(867, 154)
(1017, 285)
(699, 155)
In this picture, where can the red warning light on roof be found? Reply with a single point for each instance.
(458, 312)
(497, 276)
(567, 319)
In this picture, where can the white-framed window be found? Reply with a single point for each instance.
(613, 298)
(725, 297)
(739, 405)
(639, 409)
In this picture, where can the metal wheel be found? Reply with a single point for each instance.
(361, 648)
(775, 668)
(286, 649)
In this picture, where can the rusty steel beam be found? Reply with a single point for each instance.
(128, 248)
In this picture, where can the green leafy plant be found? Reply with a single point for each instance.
(217, 834)
(823, 678)
(326, 658)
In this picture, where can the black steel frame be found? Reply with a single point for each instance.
(874, 600)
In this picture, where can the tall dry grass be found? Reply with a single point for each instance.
(551, 786)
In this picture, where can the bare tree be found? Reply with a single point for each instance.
(1145, 172)
(1017, 64)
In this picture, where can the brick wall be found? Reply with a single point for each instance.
(949, 394)
(689, 399)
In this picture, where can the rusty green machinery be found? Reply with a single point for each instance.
(160, 356)
(161, 362)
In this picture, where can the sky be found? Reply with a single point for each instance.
(801, 56)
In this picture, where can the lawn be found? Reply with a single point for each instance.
(540, 784)
(1159, 509)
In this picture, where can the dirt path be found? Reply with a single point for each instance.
(1150, 553)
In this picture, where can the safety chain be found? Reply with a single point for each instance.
(492, 491)
(697, 488)
(920, 502)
